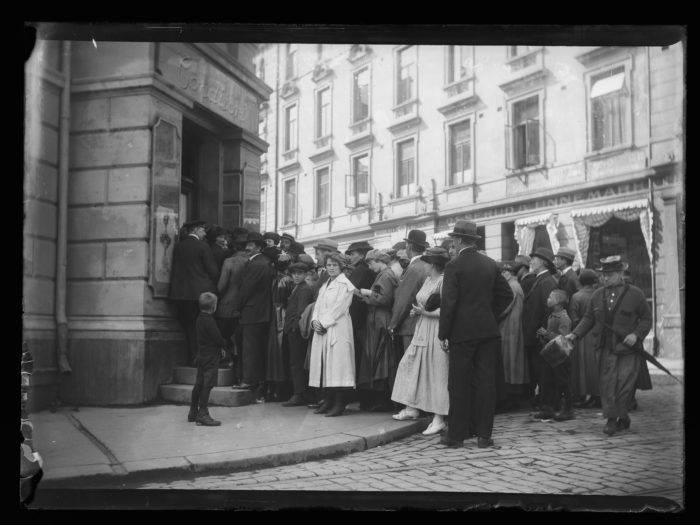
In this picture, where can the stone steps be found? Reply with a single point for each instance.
(186, 375)
(219, 396)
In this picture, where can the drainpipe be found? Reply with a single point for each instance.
(277, 135)
(62, 235)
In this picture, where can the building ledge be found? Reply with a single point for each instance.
(526, 81)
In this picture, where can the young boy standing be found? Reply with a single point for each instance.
(556, 379)
(210, 349)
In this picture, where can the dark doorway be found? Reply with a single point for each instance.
(199, 189)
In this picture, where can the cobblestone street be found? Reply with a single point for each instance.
(531, 456)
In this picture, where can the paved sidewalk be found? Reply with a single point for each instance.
(94, 444)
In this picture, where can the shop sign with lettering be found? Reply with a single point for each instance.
(194, 76)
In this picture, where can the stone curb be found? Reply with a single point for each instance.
(240, 460)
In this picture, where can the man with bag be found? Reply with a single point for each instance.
(621, 312)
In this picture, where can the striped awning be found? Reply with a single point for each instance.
(611, 208)
(536, 220)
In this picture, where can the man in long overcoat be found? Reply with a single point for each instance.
(361, 277)
(624, 309)
(254, 305)
(568, 280)
(474, 295)
(535, 312)
(194, 271)
(521, 269)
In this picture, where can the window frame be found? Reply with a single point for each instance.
(449, 183)
(510, 129)
(291, 50)
(450, 63)
(317, 108)
(397, 187)
(285, 181)
(397, 75)
(353, 74)
(628, 124)
(287, 128)
(317, 214)
(353, 176)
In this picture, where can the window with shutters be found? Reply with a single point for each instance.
(609, 100)
(524, 134)
(460, 153)
(357, 185)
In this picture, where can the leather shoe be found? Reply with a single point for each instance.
(295, 401)
(610, 427)
(484, 442)
(451, 443)
(192, 416)
(325, 406)
(623, 423)
(543, 415)
(564, 415)
(207, 421)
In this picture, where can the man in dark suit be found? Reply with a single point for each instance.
(402, 326)
(568, 280)
(254, 306)
(299, 299)
(474, 295)
(194, 272)
(217, 240)
(535, 312)
(521, 267)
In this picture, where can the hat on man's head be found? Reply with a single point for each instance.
(567, 253)
(465, 229)
(288, 237)
(417, 237)
(611, 264)
(545, 254)
(306, 259)
(256, 238)
(435, 255)
(401, 245)
(194, 224)
(296, 248)
(298, 267)
(362, 246)
(378, 255)
(271, 235)
(520, 261)
(327, 244)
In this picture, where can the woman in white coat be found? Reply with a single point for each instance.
(332, 360)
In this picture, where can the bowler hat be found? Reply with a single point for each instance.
(362, 246)
(464, 228)
(544, 254)
(567, 253)
(271, 235)
(417, 237)
(435, 255)
(611, 264)
(255, 237)
(327, 244)
(298, 267)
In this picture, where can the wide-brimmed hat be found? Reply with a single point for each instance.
(378, 255)
(327, 244)
(611, 264)
(435, 255)
(255, 237)
(544, 254)
(566, 253)
(466, 229)
(417, 237)
(271, 235)
(520, 261)
(362, 246)
(298, 267)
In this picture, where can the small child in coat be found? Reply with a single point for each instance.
(556, 380)
(210, 350)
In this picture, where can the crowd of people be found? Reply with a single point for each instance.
(412, 330)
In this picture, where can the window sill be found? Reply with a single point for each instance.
(458, 187)
(359, 209)
(404, 199)
(608, 152)
(525, 171)
(516, 59)
(322, 218)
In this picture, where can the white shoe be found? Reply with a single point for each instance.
(434, 429)
(405, 415)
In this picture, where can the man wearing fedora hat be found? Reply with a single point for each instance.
(474, 295)
(568, 280)
(254, 306)
(194, 271)
(535, 313)
(401, 325)
(621, 313)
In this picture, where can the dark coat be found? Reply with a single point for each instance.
(220, 254)
(474, 295)
(302, 295)
(209, 340)
(410, 283)
(526, 282)
(535, 308)
(255, 295)
(194, 270)
(361, 277)
(569, 283)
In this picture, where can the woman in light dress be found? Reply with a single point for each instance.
(332, 359)
(421, 378)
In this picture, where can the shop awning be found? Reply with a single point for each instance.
(608, 85)
(611, 208)
(441, 236)
(535, 220)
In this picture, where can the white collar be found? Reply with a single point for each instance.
(543, 271)
(254, 256)
(193, 235)
(567, 270)
(414, 258)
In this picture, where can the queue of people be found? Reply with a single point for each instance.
(413, 330)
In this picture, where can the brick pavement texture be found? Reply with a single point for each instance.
(572, 457)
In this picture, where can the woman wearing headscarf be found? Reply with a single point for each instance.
(377, 364)
(332, 359)
(421, 378)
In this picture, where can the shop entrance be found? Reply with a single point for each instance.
(618, 237)
(199, 189)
